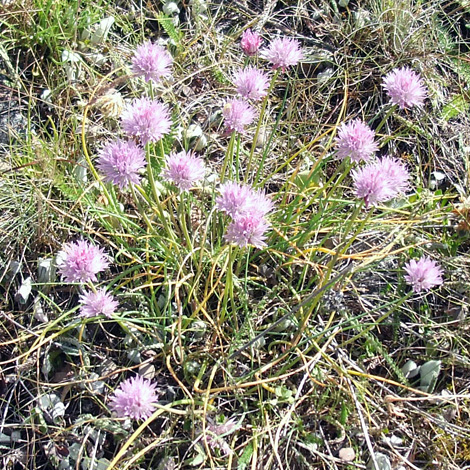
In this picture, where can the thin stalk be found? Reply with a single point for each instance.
(384, 119)
(141, 209)
(182, 219)
(260, 121)
(228, 291)
(228, 160)
(271, 137)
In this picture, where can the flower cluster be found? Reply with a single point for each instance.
(251, 83)
(423, 274)
(183, 169)
(405, 88)
(97, 303)
(80, 261)
(248, 209)
(283, 53)
(151, 61)
(147, 120)
(237, 114)
(250, 42)
(380, 181)
(120, 162)
(356, 141)
(135, 398)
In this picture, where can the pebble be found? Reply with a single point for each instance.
(347, 454)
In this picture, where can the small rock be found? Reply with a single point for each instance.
(24, 291)
(347, 454)
(147, 371)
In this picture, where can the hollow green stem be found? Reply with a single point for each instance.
(258, 127)
(384, 119)
(182, 220)
(228, 160)
(141, 209)
(228, 291)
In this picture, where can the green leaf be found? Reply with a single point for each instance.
(429, 372)
(456, 106)
(167, 24)
(245, 458)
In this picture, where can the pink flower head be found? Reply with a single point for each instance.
(380, 181)
(355, 140)
(405, 88)
(282, 53)
(238, 199)
(247, 229)
(396, 173)
(251, 83)
(237, 114)
(147, 120)
(250, 42)
(97, 303)
(151, 61)
(423, 274)
(81, 261)
(234, 198)
(135, 398)
(371, 185)
(120, 162)
(183, 169)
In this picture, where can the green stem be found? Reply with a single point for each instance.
(260, 121)
(384, 119)
(228, 160)
(141, 209)
(182, 219)
(228, 291)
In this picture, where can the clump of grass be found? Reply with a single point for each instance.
(274, 324)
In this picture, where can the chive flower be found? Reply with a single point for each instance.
(423, 274)
(283, 53)
(151, 61)
(237, 115)
(183, 169)
(250, 42)
(356, 141)
(120, 162)
(146, 120)
(81, 261)
(251, 83)
(97, 303)
(135, 398)
(405, 88)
